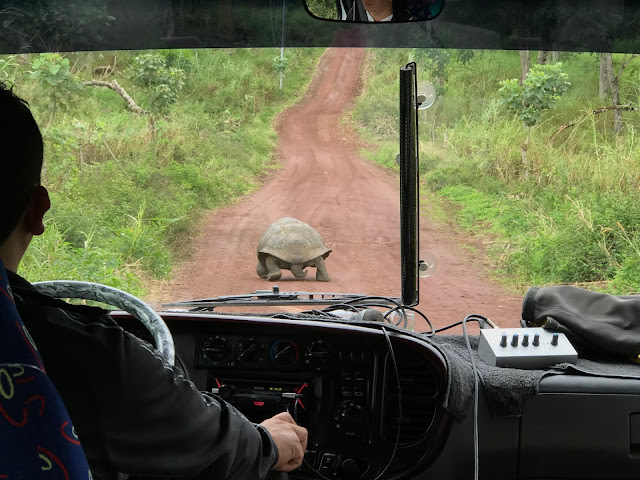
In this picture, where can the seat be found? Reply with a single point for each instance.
(38, 438)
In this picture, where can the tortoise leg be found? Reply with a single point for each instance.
(261, 269)
(297, 271)
(321, 273)
(273, 270)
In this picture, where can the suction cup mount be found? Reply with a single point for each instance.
(426, 95)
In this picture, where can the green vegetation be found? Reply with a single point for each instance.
(571, 214)
(323, 8)
(128, 188)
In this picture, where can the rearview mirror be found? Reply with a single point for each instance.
(364, 11)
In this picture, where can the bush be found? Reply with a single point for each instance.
(163, 83)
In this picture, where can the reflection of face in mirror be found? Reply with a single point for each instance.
(378, 10)
(364, 11)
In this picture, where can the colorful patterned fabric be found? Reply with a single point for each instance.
(37, 439)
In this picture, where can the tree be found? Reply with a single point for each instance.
(615, 91)
(539, 92)
(543, 57)
(163, 83)
(53, 74)
(525, 64)
(58, 23)
(436, 62)
(606, 75)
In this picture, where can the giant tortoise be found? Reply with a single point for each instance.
(292, 245)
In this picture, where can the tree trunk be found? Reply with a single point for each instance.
(115, 86)
(168, 19)
(606, 75)
(543, 57)
(564, 126)
(617, 114)
(615, 88)
(555, 56)
(523, 152)
(525, 63)
(525, 161)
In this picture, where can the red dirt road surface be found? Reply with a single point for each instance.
(352, 203)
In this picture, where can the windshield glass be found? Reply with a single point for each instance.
(166, 167)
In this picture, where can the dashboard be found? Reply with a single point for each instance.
(339, 381)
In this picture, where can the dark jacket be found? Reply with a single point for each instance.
(355, 12)
(134, 413)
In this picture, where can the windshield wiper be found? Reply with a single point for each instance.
(275, 297)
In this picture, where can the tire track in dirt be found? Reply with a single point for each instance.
(353, 204)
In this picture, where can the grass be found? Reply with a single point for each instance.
(128, 193)
(574, 219)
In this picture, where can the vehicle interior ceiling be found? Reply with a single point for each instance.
(381, 395)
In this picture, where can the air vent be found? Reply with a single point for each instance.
(419, 392)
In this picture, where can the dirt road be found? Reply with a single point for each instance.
(352, 203)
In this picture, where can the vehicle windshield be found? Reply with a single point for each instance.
(166, 167)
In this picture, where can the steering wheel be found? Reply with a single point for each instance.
(120, 299)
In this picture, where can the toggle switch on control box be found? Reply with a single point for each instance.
(525, 348)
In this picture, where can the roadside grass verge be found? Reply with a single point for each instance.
(575, 219)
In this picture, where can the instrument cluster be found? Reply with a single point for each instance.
(264, 352)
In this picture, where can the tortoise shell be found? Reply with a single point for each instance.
(293, 241)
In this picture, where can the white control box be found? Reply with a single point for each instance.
(526, 348)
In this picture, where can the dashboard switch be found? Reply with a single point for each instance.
(310, 458)
(349, 469)
(327, 464)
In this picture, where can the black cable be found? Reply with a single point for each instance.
(376, 297)
(477, 318)
(339, 306)
(315, 311)
(442, 329)
(395, 368)
(397, 442)
(182, 366)
(403, 317)
(423, 316)
(398, 307)
(476, 393)
(415, 310)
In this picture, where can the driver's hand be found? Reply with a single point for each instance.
(290, 438)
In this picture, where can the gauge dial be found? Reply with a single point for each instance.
(317, 355)
(348, 418)
(248, 350)
(214, 348)
(284, 353)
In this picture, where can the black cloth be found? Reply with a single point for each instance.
(594, 322)
(134, 413)
(356, 12)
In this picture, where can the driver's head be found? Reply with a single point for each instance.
(379, 9)
(23, 202)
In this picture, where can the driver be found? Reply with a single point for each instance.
(133, 412)
(374, 11)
